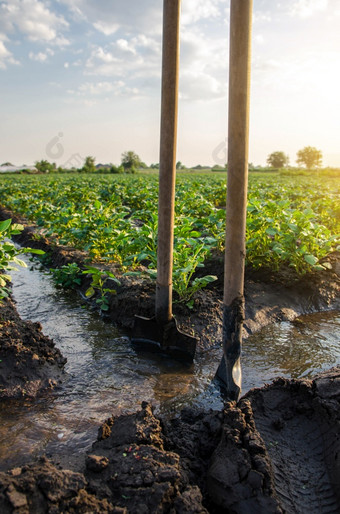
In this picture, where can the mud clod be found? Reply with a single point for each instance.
(245, 459)
(29, 361)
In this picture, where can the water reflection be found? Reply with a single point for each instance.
(105, 374)
(299, 349)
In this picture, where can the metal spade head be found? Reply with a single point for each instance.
(164, 337)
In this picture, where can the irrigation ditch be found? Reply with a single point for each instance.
(276, 450)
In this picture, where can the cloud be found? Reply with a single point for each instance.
(106, 28)
(307, 8)
(41, 56)
(196, 85)
(6, 56)
(134, 57)
(112, 15)
(34, 20)
(195, 10)
(204, 62)
(102, 90)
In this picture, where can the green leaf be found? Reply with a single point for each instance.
(4, 225)
(152, 273)
(90, 292)
(142, 256)
(19, 262)
(310, 259)
(35, 251)
(210, 240)
(203, 281)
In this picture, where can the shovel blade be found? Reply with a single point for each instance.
(163, 337)
(229, 378)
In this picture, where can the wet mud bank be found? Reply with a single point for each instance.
(269, 296)
(29, 361)
(276, 450)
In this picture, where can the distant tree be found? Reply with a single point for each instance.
(217, 167)
(130, 161)
(44, 166)
(278, 160)
(201, 167)
(155, 166)
(309, 157)
(116, 169)
(180, 166)
(7, 164)
(89, 166)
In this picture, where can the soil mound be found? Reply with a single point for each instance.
(42, 488)
(29, 361)
(299, 422)
(276, 450)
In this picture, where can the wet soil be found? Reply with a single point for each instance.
(29, 361)
(276, 450)
(269, 296)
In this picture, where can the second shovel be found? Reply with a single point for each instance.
(161, 331)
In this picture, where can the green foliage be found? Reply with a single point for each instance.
(98, 286)
(130, 161)
(89, 165)
(116, 169)
(69, 275)
(292, 220)
(278, 160)
(286, 235)
(180, 166)
(44, 166)
(310, 157)
(217, 167)
(9, 254)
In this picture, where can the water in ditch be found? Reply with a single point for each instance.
(105, 375)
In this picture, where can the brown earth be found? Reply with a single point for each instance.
(29, 361)
(276, 450)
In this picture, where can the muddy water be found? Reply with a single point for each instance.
(105, 375)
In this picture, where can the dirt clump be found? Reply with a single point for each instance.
(41, 488)
(29, 361)
(130, 466)
(274, 451)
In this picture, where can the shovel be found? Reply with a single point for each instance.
(229, 372)
(161, 331)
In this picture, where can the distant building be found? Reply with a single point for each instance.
(103, 166)
(4, 168)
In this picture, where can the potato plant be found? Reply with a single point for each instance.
(291, 221)
(9, 254)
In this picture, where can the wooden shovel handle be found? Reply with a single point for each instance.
(238, 130)
(167, 163)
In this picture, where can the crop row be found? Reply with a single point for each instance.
(114, 218)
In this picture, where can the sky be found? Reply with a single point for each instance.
(83, 77)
